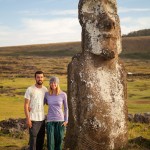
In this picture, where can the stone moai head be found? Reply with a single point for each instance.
(100, 27)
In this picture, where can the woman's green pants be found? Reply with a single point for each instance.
(55, 135)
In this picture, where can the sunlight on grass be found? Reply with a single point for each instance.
(17, 82)
(138, 129)
(138, 96)
(9, 141)
(11, 107)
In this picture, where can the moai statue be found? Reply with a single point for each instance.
(97, 82)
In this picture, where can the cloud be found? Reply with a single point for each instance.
(145, 22)
(61, 25)
(63, 28)
(38, 31)
(126, 10)
(126, 20)
(130, 24)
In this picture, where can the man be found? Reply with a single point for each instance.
(34, 111)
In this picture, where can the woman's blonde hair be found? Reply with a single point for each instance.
(58, 90)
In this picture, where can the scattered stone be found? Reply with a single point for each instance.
(14, 127)
(139, 118)
(130, 117)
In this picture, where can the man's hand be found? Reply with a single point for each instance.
(29, 123)
(29, 109)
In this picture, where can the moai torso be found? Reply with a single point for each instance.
(97, 82)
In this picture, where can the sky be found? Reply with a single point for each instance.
(25, 22)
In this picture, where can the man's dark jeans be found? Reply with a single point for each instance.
(37, 134)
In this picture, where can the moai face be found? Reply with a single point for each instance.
(100, 27)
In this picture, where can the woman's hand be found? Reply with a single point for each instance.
(65, 123)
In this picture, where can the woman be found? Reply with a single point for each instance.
(57, 118)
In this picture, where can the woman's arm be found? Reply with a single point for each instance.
(65, 103)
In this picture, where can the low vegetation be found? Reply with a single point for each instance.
(18, 64)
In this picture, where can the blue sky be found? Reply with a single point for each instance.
(24, 22)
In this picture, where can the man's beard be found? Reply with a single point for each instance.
(39, 82)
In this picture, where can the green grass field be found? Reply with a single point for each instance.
(12, 95)
(12, 107)
(17, 67)
(14, 82)
(139, 96)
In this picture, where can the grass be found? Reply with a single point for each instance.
(138, 96)
(139, 136)
(17, 67)
(46, 50)
(9, 143)
(12, 97)
(137, 66)
(11, 107)
(145, 55)
(138, 129)
(139, 89)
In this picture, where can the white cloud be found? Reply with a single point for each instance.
(63, 29)
(61, 25)
(133, 24)
(42, 31)
(145, 22)
(126, 19)
(126, 30)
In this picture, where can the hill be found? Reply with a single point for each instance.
(53, 49)
(133, 47)
(144, 32)
(136, 47)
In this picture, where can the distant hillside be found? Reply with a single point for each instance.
(136, 47)
(52, 49)
(144, 32)
(133, 47)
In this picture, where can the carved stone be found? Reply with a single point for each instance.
(97, 82)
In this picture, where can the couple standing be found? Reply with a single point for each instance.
(35, 98)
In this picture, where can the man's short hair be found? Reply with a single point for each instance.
(38, 72)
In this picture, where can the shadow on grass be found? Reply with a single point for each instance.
(140, 143)
(10, 147)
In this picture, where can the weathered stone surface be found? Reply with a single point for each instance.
(100, 27)
(97, 82)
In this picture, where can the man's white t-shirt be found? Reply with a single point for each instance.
(36, 98)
